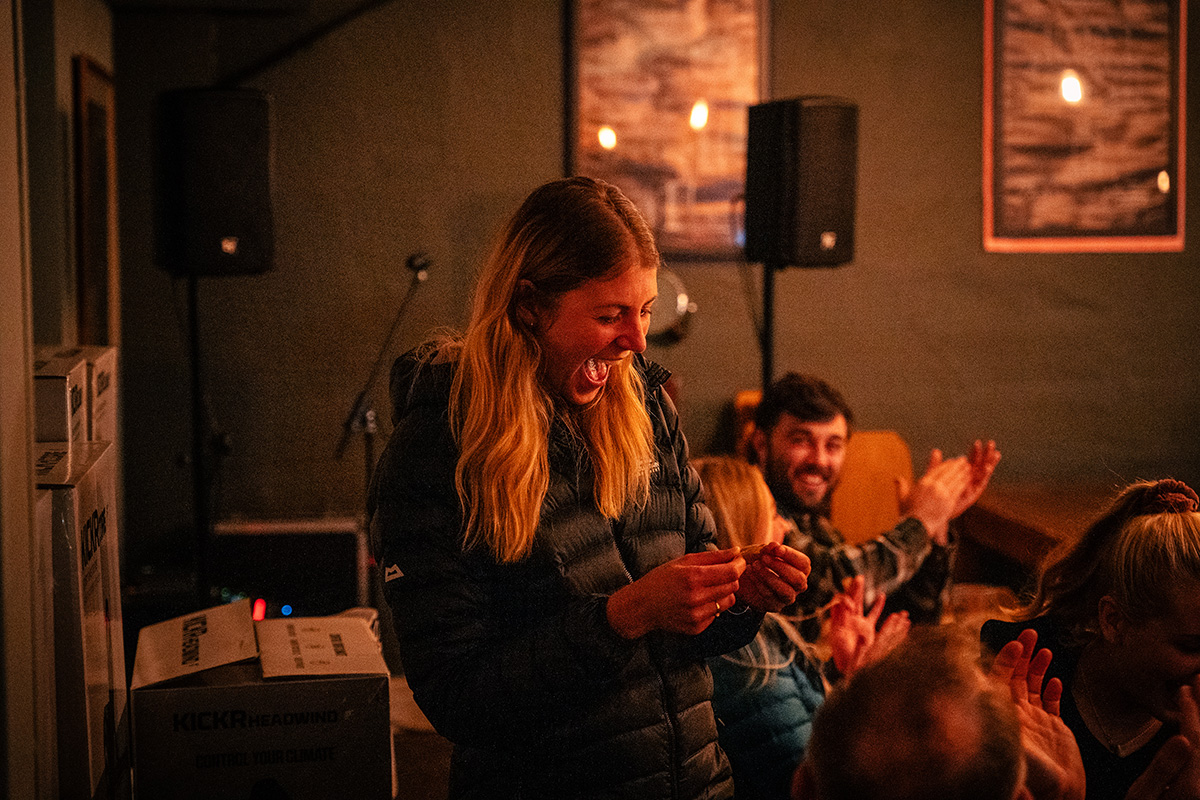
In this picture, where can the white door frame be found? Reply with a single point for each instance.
(18, 547)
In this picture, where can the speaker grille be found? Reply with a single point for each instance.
(214, 185)
(801, 169)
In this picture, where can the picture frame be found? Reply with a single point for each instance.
(97, 256)
(1084, 126)
(657, 99)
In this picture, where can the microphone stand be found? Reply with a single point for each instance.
(361, 418)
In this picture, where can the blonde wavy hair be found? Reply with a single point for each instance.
(738, 497)
(743, 510)
(1137, 553)
(566, 233)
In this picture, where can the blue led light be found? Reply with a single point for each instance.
(286, 610)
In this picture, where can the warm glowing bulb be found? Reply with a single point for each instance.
(259, 611)
(699, 115)
(608, 138)
(1164, 182)
(1072, 89)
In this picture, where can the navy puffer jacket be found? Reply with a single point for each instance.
(516, 664)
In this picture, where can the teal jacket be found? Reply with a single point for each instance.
(764, 728)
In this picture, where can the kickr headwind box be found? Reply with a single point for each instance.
(88, 639)
(60, 395)
(293, 707)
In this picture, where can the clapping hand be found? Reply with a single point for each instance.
(853, 638)
(1174, 774)
(983, 459)
(950, 487)
(1054, 768)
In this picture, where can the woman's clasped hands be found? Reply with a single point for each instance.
(686, 594)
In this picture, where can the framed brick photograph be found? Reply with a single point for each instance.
(657, 103)
(1084, 126)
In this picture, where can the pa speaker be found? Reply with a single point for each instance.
(801, 165)
(214, 182)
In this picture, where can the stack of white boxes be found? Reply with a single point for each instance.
(77, 466)
(60, 394)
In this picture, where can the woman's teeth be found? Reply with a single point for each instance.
(596, 371)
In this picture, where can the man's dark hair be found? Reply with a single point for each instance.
(805, 397)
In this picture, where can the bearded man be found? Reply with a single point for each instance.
(801, 429)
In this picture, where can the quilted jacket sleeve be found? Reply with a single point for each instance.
(728, 631)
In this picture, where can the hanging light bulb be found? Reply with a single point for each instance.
(1071, 87)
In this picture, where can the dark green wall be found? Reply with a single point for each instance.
(421, 125)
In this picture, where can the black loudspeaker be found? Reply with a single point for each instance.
(801, 165)
(214, 183)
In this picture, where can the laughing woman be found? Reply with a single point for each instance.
(552, 587)
(1120, 610)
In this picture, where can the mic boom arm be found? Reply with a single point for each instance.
(362, 416)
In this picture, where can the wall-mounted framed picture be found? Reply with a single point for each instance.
(98, 296)
(657, 99)
(1084, 126)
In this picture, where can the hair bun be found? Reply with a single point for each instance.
(1170, 497)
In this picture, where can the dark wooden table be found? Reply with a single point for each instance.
(1007, 534)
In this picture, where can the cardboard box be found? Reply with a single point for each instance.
(292, 707)
(45, 733)
(102, 395)
(104, 408)
(60, 394)
(90, 690)
(52, 463)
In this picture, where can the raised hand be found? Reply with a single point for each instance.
(853, 638)
(935, 496)
(1185, 783)
(1054, 768)
(683, 595)
(1169, 762)
(983, 459)
(950, 487)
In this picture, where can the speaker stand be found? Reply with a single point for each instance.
(362, 418)
(201, 475)
(767, 334)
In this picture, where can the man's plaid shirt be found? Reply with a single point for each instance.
(903, 563)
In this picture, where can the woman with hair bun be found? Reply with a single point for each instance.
(545, 548)
(1120, 610)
